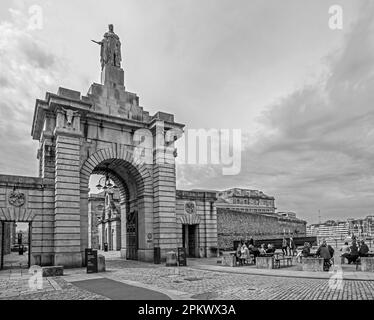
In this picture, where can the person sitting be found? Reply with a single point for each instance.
(270, 249)
(262, 250)
(292, 247)
(353, 256)
(305, 252)
(345, 251)
(364, 249)
(324, 252)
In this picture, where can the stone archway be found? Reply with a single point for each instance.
(136, 197)
(79, 133)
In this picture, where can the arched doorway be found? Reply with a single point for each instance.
(136, 202)
(20, 239)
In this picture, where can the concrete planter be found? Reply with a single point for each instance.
(265, 262)
(312, 264)
(367, 264)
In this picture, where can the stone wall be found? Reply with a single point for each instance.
(38, 208)
(236, 225)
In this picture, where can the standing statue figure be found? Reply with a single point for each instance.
(110, 49)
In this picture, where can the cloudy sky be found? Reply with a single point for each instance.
(300, 92)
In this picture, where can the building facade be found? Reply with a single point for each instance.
(340, 230)
(245, 213)
(104, 224)
(246, 200)
(236, 225)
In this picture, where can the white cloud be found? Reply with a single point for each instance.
(27, 69)
(315, 148)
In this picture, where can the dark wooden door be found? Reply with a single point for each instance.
(132, 236)
(192, 241)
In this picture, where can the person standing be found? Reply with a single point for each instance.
(284, 246)
(238, 254)
(292, 247)
(244, 254)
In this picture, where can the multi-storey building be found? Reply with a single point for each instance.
(343, 229)
(246, 200)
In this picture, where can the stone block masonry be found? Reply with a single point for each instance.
(67, 202)
(236, 225)
(37, 208)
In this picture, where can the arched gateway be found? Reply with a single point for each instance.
(108, 132)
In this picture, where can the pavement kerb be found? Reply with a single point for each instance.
(285, 275)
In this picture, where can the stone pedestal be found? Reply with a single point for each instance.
(171, 259)
(101, 263)
(112, 76)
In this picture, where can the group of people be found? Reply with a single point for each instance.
(244, 251)
(354, 251)
(288, 247)
(325, 251)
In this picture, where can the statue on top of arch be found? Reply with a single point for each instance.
(110, 49)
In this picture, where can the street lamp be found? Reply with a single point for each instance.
(107, 185)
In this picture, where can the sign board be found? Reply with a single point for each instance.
(91, 260)
(182, 257)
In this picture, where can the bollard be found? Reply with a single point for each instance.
(171, 259)
(101, 263)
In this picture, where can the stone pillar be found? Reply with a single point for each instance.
(145, 228)
(164, 189)
(123, 230)
(67, 201)
(84, 220)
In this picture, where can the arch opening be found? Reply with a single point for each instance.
(114, 218)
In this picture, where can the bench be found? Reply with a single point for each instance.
(54, 271)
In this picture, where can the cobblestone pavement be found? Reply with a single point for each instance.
(197, 284)
(219, 285)
(14, 285)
